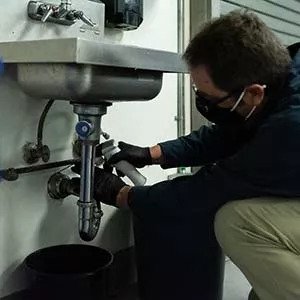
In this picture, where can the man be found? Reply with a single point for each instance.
(248, 85)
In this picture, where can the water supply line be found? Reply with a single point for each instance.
(42, 122)
(89, 130)
(33, 152)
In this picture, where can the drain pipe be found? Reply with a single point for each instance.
(89, 130)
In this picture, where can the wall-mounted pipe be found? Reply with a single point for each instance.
(181, 86)
(180, 81)
(12, 174)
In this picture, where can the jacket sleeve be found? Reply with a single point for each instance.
(264, 166)
(204, 146)
(183, 197)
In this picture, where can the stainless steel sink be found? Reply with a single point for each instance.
(85, 71)
(88, 74)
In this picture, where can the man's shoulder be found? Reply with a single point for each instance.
(285, 121)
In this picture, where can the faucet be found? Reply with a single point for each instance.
(61, 14)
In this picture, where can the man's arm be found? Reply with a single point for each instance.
(187, 195)
(206, 145)
(266, 165)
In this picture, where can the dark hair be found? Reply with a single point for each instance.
(239, 49)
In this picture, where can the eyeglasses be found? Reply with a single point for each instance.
(213, 100)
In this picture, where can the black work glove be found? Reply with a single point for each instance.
(135, 155)
(106, 185)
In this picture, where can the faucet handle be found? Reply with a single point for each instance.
(80, 15)
(48, 13)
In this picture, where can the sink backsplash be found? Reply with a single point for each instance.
(23, 28)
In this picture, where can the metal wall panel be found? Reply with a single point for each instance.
(283, 17)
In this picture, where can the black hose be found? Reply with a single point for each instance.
(42, 121)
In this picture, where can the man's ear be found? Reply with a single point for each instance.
(254, 94)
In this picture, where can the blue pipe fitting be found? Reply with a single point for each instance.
(84, 129)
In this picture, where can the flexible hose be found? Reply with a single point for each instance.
(42, 121)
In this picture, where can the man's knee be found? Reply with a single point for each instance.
(228, 224)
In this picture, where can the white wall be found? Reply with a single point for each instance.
(28, 218)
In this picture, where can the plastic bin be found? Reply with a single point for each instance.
(69, 272)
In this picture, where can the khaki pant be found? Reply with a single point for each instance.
(262, 237)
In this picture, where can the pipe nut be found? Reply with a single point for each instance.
(57, 186)
(84, 129)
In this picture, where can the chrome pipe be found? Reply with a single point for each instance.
(87, 172)
(89, 213)
(88, 129)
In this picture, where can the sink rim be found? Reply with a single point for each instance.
(82, 51)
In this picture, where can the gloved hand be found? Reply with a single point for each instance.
(135, 155)
(106, 185)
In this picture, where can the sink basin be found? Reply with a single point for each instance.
(85, 71)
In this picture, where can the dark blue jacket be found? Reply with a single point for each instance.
(238, 163)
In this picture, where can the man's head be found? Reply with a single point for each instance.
(233, 54)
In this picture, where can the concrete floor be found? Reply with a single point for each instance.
(236, 286)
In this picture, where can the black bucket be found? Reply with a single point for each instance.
(175, 261)
(69, 272)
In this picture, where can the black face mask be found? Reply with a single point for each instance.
(218, 115)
